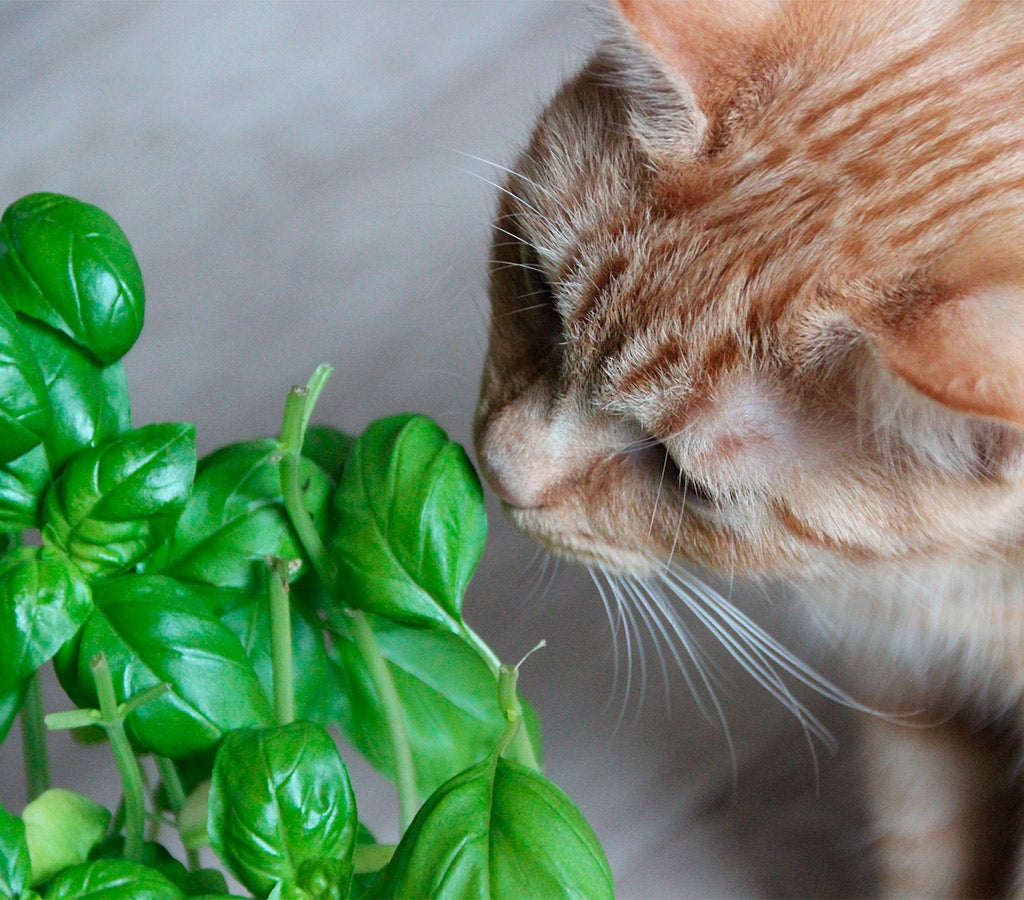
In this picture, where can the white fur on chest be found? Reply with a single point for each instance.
(944, 637)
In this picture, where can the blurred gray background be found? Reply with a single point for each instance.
(308, 182)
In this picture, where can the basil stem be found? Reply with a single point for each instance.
(298, 410)
(175, 793)
(281, 641)
(33, 739)
(112, 721)
(520, 747)
(391, 707)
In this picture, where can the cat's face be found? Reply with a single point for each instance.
(757, 292)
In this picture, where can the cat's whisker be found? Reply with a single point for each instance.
(552, 576)
(657, 496)
(617, 620)
(634, 646)
(544, 189)
(650, 621)
(756, 652)
(613, 624)
(523, 309)
(555, 228)
(677, 635)
(508, 264)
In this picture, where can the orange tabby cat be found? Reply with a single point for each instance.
(758, 304)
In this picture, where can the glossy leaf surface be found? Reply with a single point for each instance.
(318, 682)
(24, 402)
(152, 630)
(69, 264)
(448, 698)
(235, 517)
(90, 400)
(280, 797)
(112, 879)
(23, 483)
(411, 522)
(44, 598)
(15, 863)
(112, 505)
(498, 830)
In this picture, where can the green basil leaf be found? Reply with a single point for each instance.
(112, 879)
(325, 879)
(235, 517)
(159, 858)
(15, 863)
(61, 828)
(24, 402)
(112, 505)
(411, 524)
(90, 400)
(497, 830)
(318, 682)
(23, 482)
(68, 264)
(44, 599)
(280, 797)
(448, 698)
(328, 448)
(153, 630)
(10, 705)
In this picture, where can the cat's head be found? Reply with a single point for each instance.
(758, 291)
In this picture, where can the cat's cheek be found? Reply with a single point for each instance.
(751, 439)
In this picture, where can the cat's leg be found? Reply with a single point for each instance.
(940, 805)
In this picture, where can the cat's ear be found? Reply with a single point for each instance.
(680, 60)
(961, 341)
(967, 351)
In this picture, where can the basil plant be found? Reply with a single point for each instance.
(218, 618)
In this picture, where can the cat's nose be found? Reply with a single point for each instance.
(519, 451)
(506, 468)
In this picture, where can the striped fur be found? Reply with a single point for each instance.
(758, 305)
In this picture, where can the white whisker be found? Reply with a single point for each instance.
(669, 621)
(544, 189)
(634, 591)
(613, 624)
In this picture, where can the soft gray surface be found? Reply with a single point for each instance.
(301, 184)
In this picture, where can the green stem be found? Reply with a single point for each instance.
(391, 706)
(521, 748)
(112, 720)
(33, 740)
(282, 663)
(298, 408)
(175, 793)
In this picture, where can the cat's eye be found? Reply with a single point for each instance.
(696, 495)
(537, 299)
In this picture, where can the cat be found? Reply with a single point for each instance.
(758, 307)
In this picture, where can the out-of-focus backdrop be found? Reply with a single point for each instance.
(308, 182)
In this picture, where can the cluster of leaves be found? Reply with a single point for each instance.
(220, 615)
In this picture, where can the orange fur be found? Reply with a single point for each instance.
(758, 304)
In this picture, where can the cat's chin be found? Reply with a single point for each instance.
(579, 546)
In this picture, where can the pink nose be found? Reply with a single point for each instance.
(507, 469)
